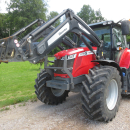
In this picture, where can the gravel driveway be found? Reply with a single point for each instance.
(68, 115)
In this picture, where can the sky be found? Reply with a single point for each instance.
(110, 9)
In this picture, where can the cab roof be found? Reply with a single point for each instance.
(102, 23)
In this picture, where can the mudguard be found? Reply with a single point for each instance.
(110, 63)
(123, 58)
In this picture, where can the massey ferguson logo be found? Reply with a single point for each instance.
(87, 53)
(62, 31)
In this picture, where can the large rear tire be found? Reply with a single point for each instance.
(48, 95)
(101, 93)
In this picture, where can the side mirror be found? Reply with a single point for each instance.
(118, 43)
(125, 26)
(119, 46)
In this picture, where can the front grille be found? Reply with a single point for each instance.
(59, 63)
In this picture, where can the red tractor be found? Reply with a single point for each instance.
(96, 63)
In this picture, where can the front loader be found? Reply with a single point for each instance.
(96, 63)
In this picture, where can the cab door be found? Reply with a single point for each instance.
(119, 42)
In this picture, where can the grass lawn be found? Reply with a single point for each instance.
(17, 81)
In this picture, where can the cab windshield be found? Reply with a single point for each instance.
(103, 33)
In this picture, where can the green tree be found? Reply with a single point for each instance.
(99, 16)
(23, 12)
(52, 15)
(128, 38)
(4, 27)
(89, 15)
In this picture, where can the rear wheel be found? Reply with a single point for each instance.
(101, 93)
(48, 95)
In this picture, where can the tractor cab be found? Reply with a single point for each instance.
(111, 35)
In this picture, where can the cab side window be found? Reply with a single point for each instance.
(118, 40)
(118, 37)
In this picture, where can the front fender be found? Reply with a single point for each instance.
(110, 63)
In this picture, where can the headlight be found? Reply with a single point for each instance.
(71, 56)
(62, 58)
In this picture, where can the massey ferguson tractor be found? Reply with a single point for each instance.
(97, 63)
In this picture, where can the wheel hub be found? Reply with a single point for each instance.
(57, 92)
(112, 94)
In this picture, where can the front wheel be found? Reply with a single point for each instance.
(101, 93)
(48, 95)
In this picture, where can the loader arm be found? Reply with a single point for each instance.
(13, 50)
(72, 24)
(10, 51)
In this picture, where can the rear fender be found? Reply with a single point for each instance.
(123, 58)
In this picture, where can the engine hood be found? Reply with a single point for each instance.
(72, 51)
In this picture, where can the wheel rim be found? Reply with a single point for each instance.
(57, 92)
(112, 94)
